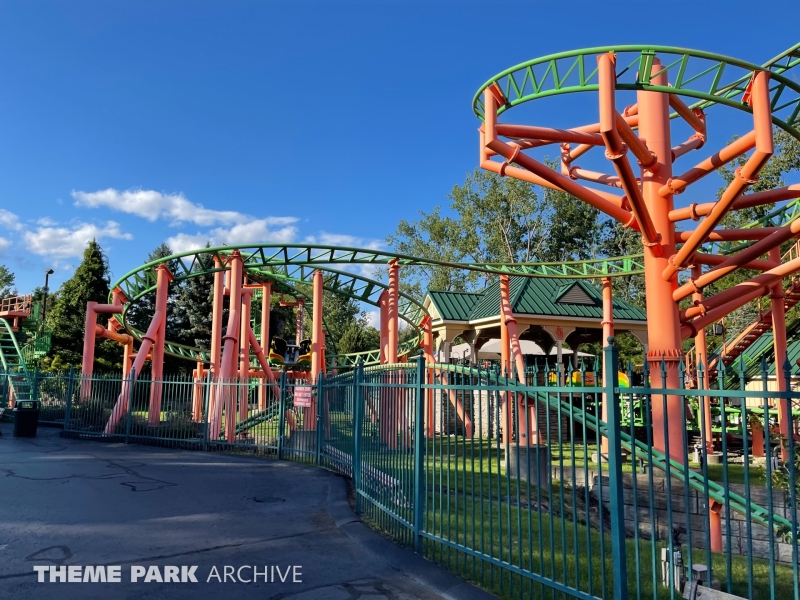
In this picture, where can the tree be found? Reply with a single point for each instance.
(359, 338)
(194, 306)
(90, 282)
(141, 312)
(6, 283)
(496, 219)
(433, 237)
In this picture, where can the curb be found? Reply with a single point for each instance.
(397, 558)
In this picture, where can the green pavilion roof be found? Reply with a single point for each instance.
(532, 296)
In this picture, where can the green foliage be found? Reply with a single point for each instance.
(193, 308)
(358, 338)
(6, 283)
(141, 313)
(496, 219)
(90, 282)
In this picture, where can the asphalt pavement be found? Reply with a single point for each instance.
(168, 517)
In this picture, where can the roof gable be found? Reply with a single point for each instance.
(575, 293)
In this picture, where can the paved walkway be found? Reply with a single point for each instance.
(77, 503)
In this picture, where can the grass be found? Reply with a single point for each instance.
(556, 533)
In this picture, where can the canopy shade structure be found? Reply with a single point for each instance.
(491, 350)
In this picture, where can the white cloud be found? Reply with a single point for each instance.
(342, 239)
(374, 319)
(256, 231)
(183, 242)
(4, 243)
(153, 205)
(67, 242)
(9, 220)
(46, 221)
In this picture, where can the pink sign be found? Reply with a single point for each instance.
(302, 396)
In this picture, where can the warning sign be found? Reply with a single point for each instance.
(302, 396)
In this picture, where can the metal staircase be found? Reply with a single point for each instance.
(752, 332)
(23, 340)
(14, 370)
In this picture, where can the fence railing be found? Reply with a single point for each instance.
(520, 487)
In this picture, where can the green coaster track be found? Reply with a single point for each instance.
(291, 267)
(705, 76)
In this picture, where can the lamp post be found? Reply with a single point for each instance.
(47, 274)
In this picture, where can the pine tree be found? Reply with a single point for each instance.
(6, 282)
(194, 306)
(67, 317)
(141, 312)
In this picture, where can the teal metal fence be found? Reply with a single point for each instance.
(441, 460)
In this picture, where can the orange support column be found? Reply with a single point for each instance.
(244, 355)
(527, 420)
(197, 396)
(701, 353)
(87, 366)
(383, 308)
(299, 320)
(218, 296)
(663, 320)
(608, 331)
(427, 349)
(392, 416)
(316, 343)
(393, 311)
(777, 302)
(506, 417)
(266, 298)
(163, 279)
(230, 344)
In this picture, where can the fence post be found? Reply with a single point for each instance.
(320, 416)
(358, 419)
(70, 391)
(206, 400)
(281, 414)
(35, 390)
(131, 384)
(615, 496)
(419, 453)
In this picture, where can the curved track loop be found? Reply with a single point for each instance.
(705, 76)
(290, 265)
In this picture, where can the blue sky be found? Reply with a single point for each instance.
(282, 121)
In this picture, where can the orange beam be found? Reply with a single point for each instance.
(594, 176)
(774, 240)
(560, 182)
(549, 134)
(696, 121)
(677, 184)
(717, 259)
(616, 150)
(759, 282)
(695, 211)
(693, 143)
(744, 176)
(733, 235)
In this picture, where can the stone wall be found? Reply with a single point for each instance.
(673, 502)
